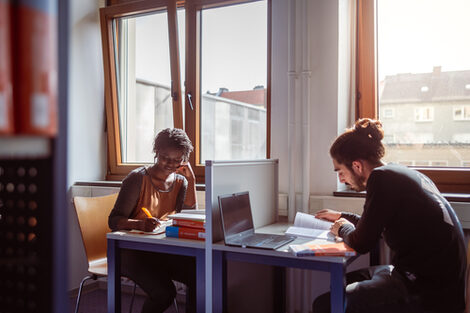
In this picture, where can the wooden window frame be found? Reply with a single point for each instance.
(449, 180)
(117, 170)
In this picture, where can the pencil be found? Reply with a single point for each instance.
(147, 212)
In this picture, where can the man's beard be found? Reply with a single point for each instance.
(359, 183)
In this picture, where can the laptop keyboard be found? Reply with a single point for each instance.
(265, 240)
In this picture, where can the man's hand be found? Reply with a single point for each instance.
(149, 224)
(337, 225)
(329, 215)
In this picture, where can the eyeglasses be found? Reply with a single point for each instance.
(167, 159)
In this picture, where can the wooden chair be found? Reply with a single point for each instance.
(92, 213)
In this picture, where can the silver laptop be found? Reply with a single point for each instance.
(237, 224)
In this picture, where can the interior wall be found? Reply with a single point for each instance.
(325, 117)
(86, 120)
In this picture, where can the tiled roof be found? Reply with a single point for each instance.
(255, 96)
(426, 87)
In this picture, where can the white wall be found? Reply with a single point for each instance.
(87, 141)
(324, 121)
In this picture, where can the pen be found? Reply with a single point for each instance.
(147, 212)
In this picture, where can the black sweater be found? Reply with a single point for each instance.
(420, 227)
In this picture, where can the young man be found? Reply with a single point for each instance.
(418, 224)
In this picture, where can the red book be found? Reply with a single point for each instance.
(185, 232)
(189, 223)
(35, 81)
(6, 78)
(332, 249)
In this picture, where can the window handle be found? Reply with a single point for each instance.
(174, 93)
(190, 102)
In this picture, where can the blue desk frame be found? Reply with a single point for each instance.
(336, 266)
(164, 245)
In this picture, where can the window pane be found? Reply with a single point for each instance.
(424, 79)
(233, 82)
(144, 83)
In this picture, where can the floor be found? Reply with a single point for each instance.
(94, 301)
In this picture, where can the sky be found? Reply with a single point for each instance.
(415, 35)
(233, 47)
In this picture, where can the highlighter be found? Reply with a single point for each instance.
(147, 212)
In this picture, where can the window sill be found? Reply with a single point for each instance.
(451, 197)
(116, 183)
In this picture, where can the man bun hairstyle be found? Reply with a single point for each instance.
(361, 142)
(173, 138)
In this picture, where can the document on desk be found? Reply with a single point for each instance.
(306, 225)
(160, 229)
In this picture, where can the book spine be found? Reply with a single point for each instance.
(35, 81)
(185, 232)
(189, 223)
(6, 78)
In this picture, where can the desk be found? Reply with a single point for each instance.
(154, 243)
(281, 258)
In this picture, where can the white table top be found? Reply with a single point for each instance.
(160, 239)
(279, 228)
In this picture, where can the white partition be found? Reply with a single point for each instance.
(259, 178)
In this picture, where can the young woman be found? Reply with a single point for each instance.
(166, 187)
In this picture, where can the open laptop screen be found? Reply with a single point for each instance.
(236, 213)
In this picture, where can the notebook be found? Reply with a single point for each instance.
(237, 224)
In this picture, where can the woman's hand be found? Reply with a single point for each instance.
(329, 215)
(187, 171)
(337, 225)
(149, 224)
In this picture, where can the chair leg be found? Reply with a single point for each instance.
(132, 300)
(176, 305)
(80, 289)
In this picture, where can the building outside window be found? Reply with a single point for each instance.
(423, 70)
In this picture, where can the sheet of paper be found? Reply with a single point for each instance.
(159, 230)
(310, 221)
(310, 232)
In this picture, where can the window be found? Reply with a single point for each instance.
(424, 80)
(425, 114)
(201, 65)
(462, 113)
(388, 112)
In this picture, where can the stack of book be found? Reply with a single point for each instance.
(190, 225)
(315, 249)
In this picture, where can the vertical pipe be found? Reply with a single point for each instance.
(291, 135)
(305, 107)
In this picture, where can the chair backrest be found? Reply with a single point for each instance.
(92, 213)
(467, 291)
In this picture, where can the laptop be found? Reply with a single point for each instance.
(237, 224)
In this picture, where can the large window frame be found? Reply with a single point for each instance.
(449, 180)
(117, 170)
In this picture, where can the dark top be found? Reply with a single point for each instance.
(420, 227)
(138, 191)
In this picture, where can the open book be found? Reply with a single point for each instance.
(306, 225)
(315, 249)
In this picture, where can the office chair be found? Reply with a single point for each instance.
(92, 213)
